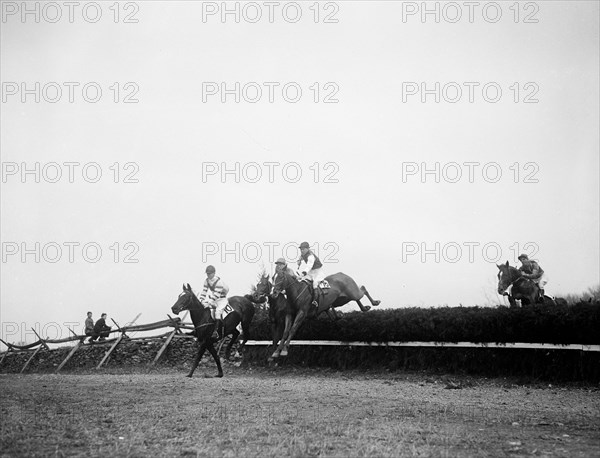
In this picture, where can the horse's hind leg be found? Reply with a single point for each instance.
(213, 352)
(198, 358)
(234, 336)
(363, 308)
(373, 301)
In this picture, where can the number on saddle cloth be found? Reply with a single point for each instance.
(227, 310)
(324, 284)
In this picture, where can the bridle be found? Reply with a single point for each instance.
(186, 306)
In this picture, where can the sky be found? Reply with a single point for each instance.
(414, 154)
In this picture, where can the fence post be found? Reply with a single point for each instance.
(107, 354)
(71, 353)
(164, 347)
(175, 324)
(4, 355)
(41, 340)
(31, 358)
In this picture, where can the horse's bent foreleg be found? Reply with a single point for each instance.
(213, 352)
(286, 331)
(373, 301)
(198, 358)
(331, 313)
(297, 322)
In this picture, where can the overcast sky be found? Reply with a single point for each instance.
(346, 176)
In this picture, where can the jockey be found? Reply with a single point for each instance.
(309, 268)
(281, 266)
(532, 271)
(214, 295)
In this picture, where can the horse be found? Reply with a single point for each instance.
(342, 290)
(280, 311)
(204, 326)
(243, 312)
(523, 289)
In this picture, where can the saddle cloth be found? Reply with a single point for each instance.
(324, 284)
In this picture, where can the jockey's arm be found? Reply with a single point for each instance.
(224, 288)
(310, 262)
(202, 296)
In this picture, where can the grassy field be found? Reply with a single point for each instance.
(292, 412)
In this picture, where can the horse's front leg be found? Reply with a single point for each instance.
(213, 352)
(373, 301)
(297, 322)
(198, 358)
(286, 331)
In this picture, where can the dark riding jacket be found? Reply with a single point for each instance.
(533, 272)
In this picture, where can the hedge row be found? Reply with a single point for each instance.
(548, 365)
(558, 324)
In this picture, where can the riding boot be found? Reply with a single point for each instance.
(314, 297)
(216, 335)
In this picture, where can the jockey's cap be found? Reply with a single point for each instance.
(211, 270)
(281, 261)
(304, 245)
(523, 256)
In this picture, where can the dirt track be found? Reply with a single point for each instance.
(290, 412)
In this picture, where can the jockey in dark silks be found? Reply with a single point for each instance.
(310, 268)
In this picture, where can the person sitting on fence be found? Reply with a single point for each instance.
(532, 271)
(214, 295)
(89, 324)
(309, 268)
(100, 329)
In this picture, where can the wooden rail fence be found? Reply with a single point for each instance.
(175, 326)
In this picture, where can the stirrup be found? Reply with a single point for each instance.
(315, 303)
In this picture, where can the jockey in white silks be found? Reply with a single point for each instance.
(310, 267)
(214, 295)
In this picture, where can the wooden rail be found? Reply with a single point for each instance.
(518, 345)
(175, 327)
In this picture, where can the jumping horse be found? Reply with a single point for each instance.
(342, 290)
(523, 289)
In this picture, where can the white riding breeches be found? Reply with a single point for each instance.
(216, 306)
(316, 275)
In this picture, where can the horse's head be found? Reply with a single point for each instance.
(263, 288)
(506, 276)
(186, 300)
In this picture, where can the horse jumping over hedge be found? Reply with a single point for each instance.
(342, 290)
(523, 289)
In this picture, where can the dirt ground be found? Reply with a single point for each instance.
(292, 412)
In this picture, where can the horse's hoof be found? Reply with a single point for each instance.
(189, 376)
(376, 303)
(367, 308)
(284, 352)
(274, 356)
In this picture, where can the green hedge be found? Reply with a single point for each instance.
(559, 324)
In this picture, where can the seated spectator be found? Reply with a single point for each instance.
(100, 329)
(89, 324)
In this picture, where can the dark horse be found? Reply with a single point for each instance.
(523, 289)
(343, 289)
(204, 324)
(281, 313)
